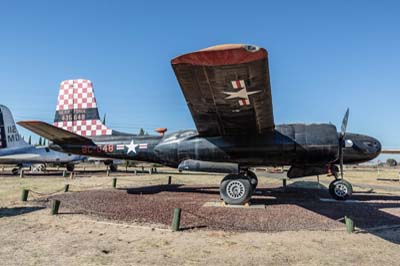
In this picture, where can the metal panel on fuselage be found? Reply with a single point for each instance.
(266, 149)
(124, 146)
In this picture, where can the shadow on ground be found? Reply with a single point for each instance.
(9, 212)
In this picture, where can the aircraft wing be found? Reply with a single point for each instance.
(21, 156)
(55, 134)
(390, 151)
(227, 89)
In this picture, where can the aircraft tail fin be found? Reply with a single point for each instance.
(77, 109)
(9, 136)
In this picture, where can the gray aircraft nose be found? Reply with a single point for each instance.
(372, 146)
(361, 148)
(369, 146)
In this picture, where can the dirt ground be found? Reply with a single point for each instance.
(29, 235)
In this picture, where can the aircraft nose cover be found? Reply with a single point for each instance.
(378, 147)
(372, 146)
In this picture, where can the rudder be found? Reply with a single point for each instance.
(9, 136)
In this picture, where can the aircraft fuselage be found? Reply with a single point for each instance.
(292, 144)
(32, 155)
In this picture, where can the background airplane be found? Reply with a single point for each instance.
(14, 150)
(390, 151)
(227, 89)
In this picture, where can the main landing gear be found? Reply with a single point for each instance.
(16, 170)
(236, 189)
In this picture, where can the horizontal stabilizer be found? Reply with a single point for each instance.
(54, 134)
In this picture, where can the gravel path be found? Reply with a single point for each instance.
(290, 210)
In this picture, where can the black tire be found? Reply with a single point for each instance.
(15, 171)
(340, 189)
(113, 168)
(235, 189)
(253, 180)
(70, 167)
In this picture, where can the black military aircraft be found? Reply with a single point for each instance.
(227, 89)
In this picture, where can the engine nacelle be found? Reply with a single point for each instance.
(314, 143)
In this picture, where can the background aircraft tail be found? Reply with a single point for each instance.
(9, 136)
(77, 109)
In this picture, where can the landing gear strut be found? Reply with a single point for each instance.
(253, 180)
(113, 168)
(70, 167)
(236, 189)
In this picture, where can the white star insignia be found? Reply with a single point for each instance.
(131, 147)
(243, 94)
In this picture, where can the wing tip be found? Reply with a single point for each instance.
(223, 54)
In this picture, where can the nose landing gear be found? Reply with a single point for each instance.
(339, 188)
(237, 189)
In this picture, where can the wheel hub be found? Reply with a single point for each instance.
(341, 190)
(235, 189)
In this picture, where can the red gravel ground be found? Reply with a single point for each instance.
(292, 209)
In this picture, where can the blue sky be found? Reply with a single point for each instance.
(324, 56)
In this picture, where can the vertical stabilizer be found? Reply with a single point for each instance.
(9, 136)
(77, 109)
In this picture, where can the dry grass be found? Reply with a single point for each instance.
(36, 238)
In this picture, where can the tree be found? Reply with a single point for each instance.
(104, 119)
(391, 162)
(30, 140)
(141, 132)
(40, 141)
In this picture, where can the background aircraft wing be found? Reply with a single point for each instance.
(55, 134)
(227, 89)
(390, 151)
(21, 156)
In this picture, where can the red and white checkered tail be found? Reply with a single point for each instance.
(77, 109)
